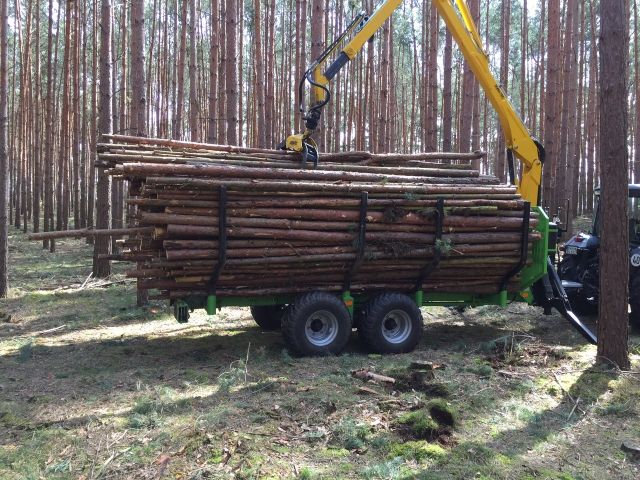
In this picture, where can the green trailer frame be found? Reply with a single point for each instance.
(535, 270)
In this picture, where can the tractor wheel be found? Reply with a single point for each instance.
(268, 317)
(634, 302)
(392, 323)
(317, 323)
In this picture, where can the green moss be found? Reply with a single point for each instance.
(217, 456)
(419, 450)
(420, 423)
(483, 370)
(307, 474)
(590, 385)
(335, 452)
(442, 412)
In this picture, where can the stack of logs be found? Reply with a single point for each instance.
(250, 222)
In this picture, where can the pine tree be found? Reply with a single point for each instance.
(102, 246)
(613, 326)
(4, 159)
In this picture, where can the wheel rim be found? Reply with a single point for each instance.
(396, 326)
(321, 328)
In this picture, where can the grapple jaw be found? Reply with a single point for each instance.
(303, 144)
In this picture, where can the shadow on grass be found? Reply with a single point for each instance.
(76, 310)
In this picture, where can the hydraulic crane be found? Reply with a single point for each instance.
(546, 288)
(520, 144)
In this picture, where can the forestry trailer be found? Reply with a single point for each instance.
(316, 322)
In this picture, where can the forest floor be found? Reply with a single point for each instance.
(92, 387)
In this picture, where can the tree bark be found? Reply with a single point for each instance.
(138, 90)
(4, 165)
(261, 141)
(194, 104)
(570, 172)
(102, 245)
(447, 107)
(231, 72)
(317, 47)
(613, 327)
(182, 54)
(552, 100)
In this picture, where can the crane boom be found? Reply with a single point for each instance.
(519, 142)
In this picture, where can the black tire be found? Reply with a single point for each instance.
(317, 323)
(268, 317)
(634, 302)
(392, 323)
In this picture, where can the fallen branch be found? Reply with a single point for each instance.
(367, 375)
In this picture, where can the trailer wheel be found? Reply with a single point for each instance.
(268, 317)
(317, 323)
(392, 323)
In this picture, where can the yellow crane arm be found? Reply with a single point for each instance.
(460, 23)
(518, 140)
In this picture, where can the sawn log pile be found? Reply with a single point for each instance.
(238, 221)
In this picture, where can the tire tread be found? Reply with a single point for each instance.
(295, 313)
(369, 328)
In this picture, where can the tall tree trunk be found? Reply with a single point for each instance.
(102, 245)
(552, 100)
(469, 97)
(214, 58)
(301, 50)
(182, 54)
(570, 173)
(62, 190)
(231, 80)
(447, 110)
(432, 102)
(317, 46)
(636, 64)
(194, 104)
(4, 158)
(94, 122)
(504, 80)
(138, 125)
(613, 327)
(138, 101)
(222, 105)
(383, 113)
(524, 55)
(37, 127)
(48, 159)
(261, 141)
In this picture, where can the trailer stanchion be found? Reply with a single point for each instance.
(222, 250)
(437, 255)
(524, 248)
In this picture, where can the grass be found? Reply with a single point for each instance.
(122, 392)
